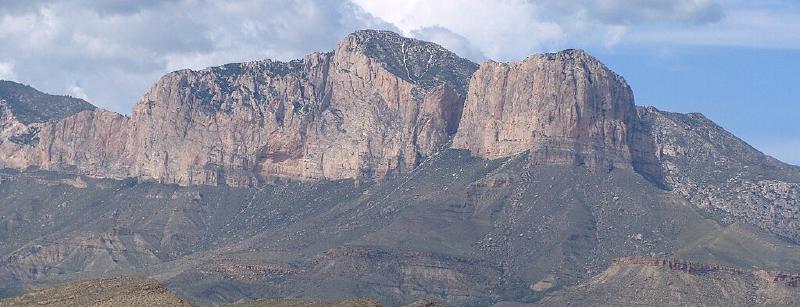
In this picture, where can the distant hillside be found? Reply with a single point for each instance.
(115, 292)
(29, 105)
(642, 281)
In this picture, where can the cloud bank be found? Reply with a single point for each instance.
(112, 51)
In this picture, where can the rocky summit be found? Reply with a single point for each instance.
(564, 108)
(378, 104)
(389, 171)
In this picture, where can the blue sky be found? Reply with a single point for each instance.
(736, 61)
(754, 93)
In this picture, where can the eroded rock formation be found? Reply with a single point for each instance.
(378, 104)
(722, 175)
(565, 107)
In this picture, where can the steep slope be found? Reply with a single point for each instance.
(565, 107)
(722, 175)
(378, 104)
(458, 229)
(668, 282)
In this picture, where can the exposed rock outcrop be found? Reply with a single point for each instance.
(378, 104)
(675, 264)
(781, 278)
(691, 267)
(59, 133)
(724, 176)
(671, 282)
(90, 142)
(565, 107)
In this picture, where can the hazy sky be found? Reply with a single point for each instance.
(736, 61)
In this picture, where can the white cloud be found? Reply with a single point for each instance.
(614, 35)
(7, 71)
(502, 30)
(117, 49)
(452, 41)
(740, 28)
(514, 29)
(76, 91)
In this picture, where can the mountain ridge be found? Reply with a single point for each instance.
(333, 115)
(29, 105)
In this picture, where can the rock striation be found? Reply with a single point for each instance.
(671, 282)
(685, 266)
(91, 142)
(378, 104)
(58, 132)
(565, 108)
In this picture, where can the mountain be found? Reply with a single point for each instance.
(55, 132)
(394, 170)
(722, 175)
(24, 111)
(378, 104)
(564, 108)
(458, 229)
(27, 105)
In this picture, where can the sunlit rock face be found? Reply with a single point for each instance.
(378, 104)
(565, 108)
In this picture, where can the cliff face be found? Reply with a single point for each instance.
(59, 133)
(91, 142)
(378, 104)
(565, 107)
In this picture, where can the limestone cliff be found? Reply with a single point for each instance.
(565, 107)
(90, 142)
(59, 133)
(378, 104)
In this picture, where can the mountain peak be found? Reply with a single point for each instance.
(422, 63)
(29, 105)
(565, 107)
